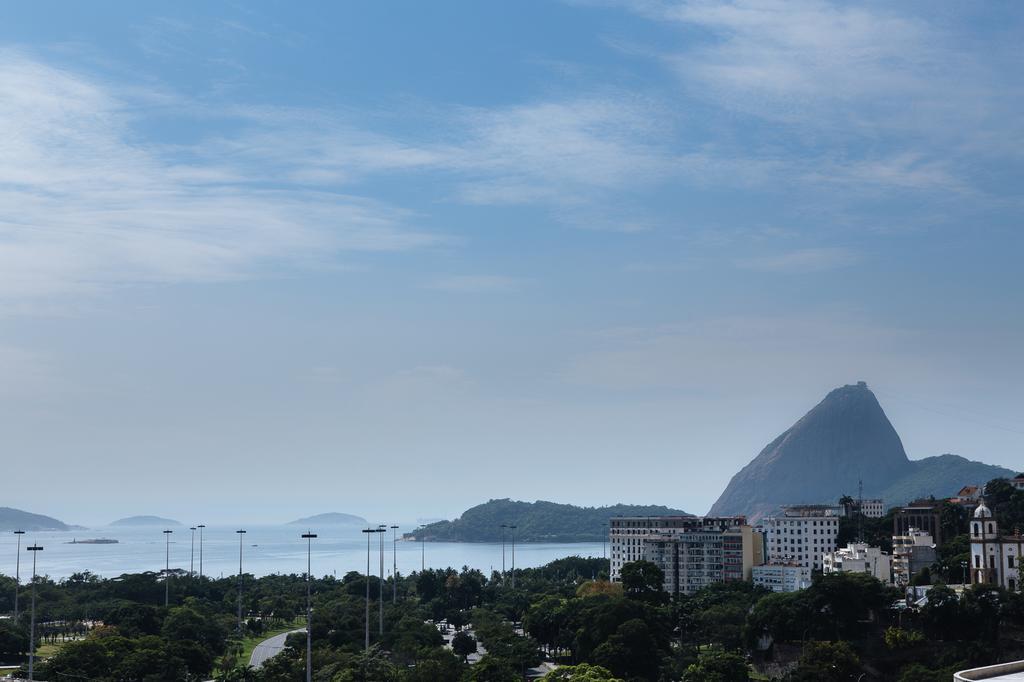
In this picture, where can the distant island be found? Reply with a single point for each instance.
(146, 521)
(330, 519)
(16, 519)
(93, 541)
(535, 522)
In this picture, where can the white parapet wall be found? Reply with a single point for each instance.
(992, 672)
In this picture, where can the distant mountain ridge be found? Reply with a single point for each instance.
(844, 439)
(16, 519)
(145, 520)
(535, 522)
(330, 519)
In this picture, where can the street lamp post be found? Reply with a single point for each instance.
(308, 537)
(381, 529)
(201, 526)
(32, 628)
(192, 555)
(503, 527)
(17, 574)
(423, 553)
(513, 529)
(167, 567)
(240, 534)
(394, 564)
(367, 633)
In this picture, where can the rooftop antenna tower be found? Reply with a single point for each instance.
(860, 510)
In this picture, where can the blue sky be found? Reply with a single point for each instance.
(482, 250)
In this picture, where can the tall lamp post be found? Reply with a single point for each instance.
(17, 574)
(503, 527)
(32, 628)
(368, 531)
(167, 567)
(192, 556)
(394, 564)
(201, 526)
(381, 529)
(423, 552)
(241, 533)
(513, 530)
(308, 537)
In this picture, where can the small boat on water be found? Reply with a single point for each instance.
(93, 541)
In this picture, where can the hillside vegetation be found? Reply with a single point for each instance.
(535, 522)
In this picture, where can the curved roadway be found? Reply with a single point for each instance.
(269, 648)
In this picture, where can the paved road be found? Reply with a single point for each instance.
(269, 648)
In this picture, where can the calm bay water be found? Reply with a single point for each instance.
(265, 550)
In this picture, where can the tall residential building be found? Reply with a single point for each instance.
(802, 534)
(922, 515)
(857, 557)
(781, 576)
(693, 552)
(994, 559)
(911, 553)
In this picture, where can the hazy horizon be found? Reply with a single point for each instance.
(271, 260)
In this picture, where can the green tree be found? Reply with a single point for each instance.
(718, 666)
(644, 581)
(463, 644)
(827, 662)
(13, 640)
(493, 669)
(583, 672)
(631, 652)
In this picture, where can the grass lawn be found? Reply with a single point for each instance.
(47, 650)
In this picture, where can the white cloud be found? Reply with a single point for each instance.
(85, 204)
(869, 96)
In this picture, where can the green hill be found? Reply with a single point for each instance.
(16, 519)
(941, 476)
(535, 522)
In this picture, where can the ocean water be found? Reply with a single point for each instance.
(265, 550)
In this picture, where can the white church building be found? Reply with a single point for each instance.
(995, 560)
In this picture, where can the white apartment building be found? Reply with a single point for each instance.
(692, 551)
(857, 557)
(873, 509)
(911, 553)
(994, 560)
(782, 577)
(802, 535)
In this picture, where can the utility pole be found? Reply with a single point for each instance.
(513, 529)
(368, 531)
(192, 555)
(394, 564)
(201, 526)
(32, 628)
(241, 533)
(860, 510)
(381, 529)
(167, 567)
(17, 574)
(308, 537)
(503, 527)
